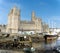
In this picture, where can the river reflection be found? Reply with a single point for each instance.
(47, 45)
(53, 43)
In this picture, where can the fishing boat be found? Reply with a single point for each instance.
(50, 36)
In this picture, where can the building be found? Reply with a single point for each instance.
(16, 25)
(3, 28)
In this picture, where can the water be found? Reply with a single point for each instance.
(10, 51)
(47, 45)
(41, 45)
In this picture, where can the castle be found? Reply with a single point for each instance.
(16, 25)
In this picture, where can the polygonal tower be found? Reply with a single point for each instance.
(13, 20)
(33, 16)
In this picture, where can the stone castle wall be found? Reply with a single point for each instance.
(15, 24)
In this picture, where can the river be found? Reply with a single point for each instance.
(42, 45)
(47, 45)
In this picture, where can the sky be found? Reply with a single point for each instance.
(47, 10)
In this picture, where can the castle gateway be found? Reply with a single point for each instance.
(15, 25)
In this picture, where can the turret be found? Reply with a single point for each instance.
(13, 20)
(33, 16)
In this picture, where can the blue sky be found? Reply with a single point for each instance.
(47, 10)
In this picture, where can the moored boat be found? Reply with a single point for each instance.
(50, 36)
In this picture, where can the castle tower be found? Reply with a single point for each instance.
(33, 16)
(13, 20)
